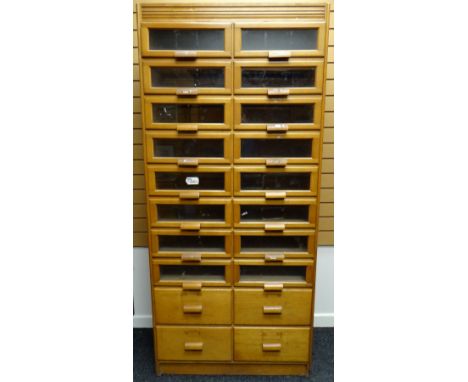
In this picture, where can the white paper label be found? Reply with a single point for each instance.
(192, 180)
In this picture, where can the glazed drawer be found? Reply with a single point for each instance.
(277, 113)
(179, 112)
(273, 243)
(194, 343)
(191, 275)
(295, 76)
(261, 212)
(170, 76)
(275, 182)
(189, 39)
(279, 40)
(189, 182)
(274, 275)
(191, 245)
(255, 306)
(190, 215)
(277, 149)
(188, 148)
(204, 306)
(277, 344)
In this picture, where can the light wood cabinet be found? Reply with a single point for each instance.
(233, 112)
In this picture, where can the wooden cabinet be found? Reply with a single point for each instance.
(233, 110)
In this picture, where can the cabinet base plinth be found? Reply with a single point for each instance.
(232, 369)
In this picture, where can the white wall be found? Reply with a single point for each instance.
(324, 311)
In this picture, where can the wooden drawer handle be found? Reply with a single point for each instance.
(187, 162)
(195, 257)
(272, 54)
(277, 162)
(277, 128)
(273, 287)
(272, 309)
(192, 309)
(186, 92)
(275, 195)
(274, 227)
(193, 346)
(185, 54)
(191, 285)
(187, 128)
(271, 347)
(278, 92)
(272, 257)
(190, 226)
(189, 195)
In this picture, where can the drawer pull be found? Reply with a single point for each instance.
(191, 285)
(272, 257)
(273, 287)
(277, 162)
(189, 195)
(187, 162)
(187, 128)
(278, 92)
(187, 92)
(195, 309)
(275, 195)
(195, 257)
(190, 226)
(272, 309)
(185, 54)
(193, 346)
(274, 227)
(272, 54)
(277, 128)
(271, 347)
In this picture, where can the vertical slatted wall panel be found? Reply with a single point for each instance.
(325, 236)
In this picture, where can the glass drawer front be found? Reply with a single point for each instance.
(274, 244)
(187, 77)
(196, 148)
(190, 181)
(205, 112)
(180, 212)
(186, 272)
(274, 213)
(269, 148)
(275, 181)
(279, 39)
(267, 273)
(191, 243)
(186, 39)
(188, 113)
(277, 77)
(271, 113)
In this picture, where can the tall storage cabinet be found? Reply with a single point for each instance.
(233, 100)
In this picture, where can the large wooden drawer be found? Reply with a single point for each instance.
(194, 343)
(204, 306)
(271, 344)
(254, 306)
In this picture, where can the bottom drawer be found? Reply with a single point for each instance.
(271, 344)
(194, 343)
